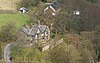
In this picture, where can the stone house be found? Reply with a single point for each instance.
(37, 32)
(52, 9)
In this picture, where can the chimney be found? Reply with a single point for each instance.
(51, 26)
(39, 23)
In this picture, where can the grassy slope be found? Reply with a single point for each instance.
(8, 4)
(19, 19)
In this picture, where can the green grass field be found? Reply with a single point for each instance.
(18, 19)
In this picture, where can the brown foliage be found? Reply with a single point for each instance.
(92, 17)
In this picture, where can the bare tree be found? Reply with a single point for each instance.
(64, 54)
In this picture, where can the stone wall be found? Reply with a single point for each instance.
(51, 44)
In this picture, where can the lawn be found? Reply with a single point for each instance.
(18, 19)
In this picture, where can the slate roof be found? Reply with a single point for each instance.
(23, 8)
(55, 5)
(33, 30)
(42, 28)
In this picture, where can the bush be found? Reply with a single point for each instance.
(7, 32)
(29, 3)
(21, 53)
(64, 53)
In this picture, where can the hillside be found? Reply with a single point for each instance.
(8, 4)
(19, 19)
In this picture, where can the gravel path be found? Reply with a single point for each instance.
(7, 53)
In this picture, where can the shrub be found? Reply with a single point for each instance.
(7, 32)
(28, 3)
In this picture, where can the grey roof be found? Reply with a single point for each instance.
(42, 28)
(33, 30)
(23, 8)
(55, 5)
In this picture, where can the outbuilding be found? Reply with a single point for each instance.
(52, 9)
(23, 10)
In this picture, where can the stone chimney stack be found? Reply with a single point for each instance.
(51, 26)
(39, 23)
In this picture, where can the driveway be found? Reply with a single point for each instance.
(7, 53)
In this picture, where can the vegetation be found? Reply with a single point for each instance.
(64, 53)
(18, 19)
(83, 46)
(7, 32)
(28, 3)
(19, 54)
(8, 5)
(9, 25)
(81, 32)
